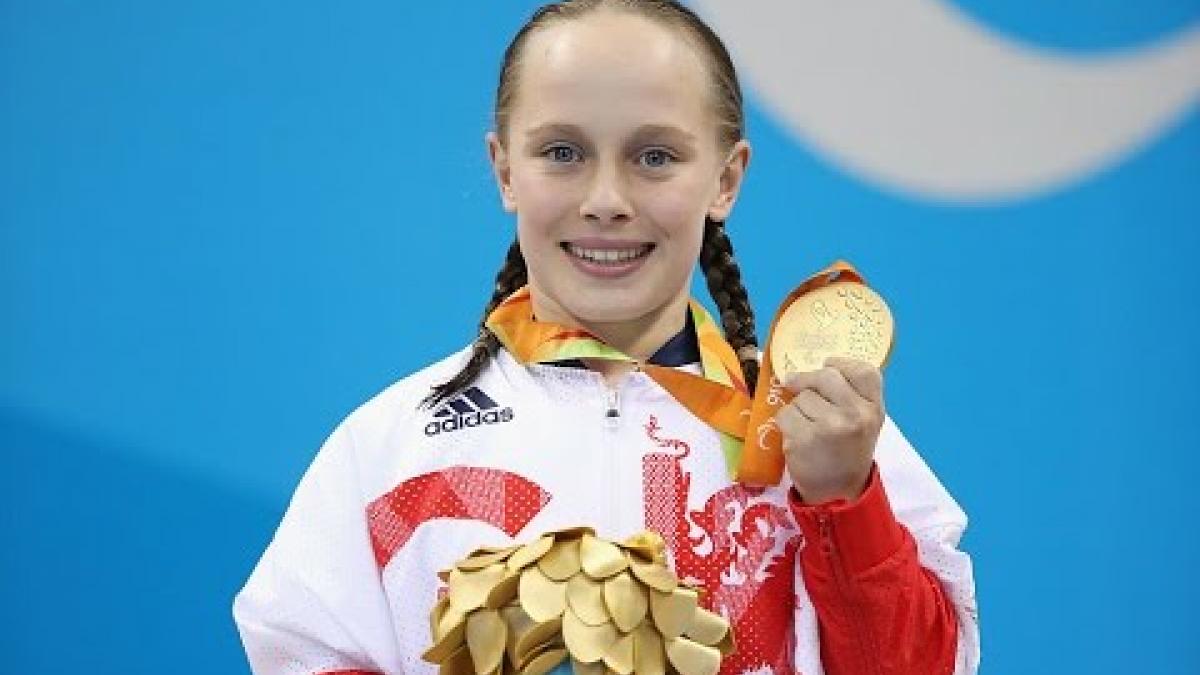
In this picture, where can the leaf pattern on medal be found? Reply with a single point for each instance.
(607, 607)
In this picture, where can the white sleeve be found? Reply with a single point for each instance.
(936, 522)
(314, 602)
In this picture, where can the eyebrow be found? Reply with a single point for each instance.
(643, 132)
(664, 130)
(554, 129)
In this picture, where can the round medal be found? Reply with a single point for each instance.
(843, 318)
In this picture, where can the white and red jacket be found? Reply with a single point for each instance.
(399, 492)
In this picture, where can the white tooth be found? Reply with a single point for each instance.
(608, 256)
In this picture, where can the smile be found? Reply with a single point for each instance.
(608, 256)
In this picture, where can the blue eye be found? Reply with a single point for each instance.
(564, 154)
(655, 158)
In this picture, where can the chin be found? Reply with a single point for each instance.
(615, 306)
(617, 310)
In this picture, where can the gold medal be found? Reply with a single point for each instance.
(832, 313)
(843, 318)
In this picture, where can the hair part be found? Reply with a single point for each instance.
(716, 254)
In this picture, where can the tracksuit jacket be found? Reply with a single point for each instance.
(398, 492)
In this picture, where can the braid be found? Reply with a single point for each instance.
(512, 275)
(725, 286)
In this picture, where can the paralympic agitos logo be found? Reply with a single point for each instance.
(471, 408)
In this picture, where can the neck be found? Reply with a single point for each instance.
(637, 338)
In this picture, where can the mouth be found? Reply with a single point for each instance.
(607, 259)
(608, 254)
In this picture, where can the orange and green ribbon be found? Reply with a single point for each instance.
(718, 395)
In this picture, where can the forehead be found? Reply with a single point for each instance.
(608, 70)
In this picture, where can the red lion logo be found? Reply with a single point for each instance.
(740, 546)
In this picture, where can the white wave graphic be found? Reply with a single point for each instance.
(917, 97)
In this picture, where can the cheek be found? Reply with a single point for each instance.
(540, 200)
(678, 209)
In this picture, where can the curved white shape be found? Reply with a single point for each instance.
(918, 97)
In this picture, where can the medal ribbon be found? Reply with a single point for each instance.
(752, 442)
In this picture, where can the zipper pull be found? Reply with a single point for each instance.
(612, 415)
(826, 529)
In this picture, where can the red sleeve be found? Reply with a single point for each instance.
(879, 611)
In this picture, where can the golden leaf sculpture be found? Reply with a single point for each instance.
(609, 608)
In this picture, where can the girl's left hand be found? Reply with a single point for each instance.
(830, 428)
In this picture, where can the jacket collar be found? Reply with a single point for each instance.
(681, 350)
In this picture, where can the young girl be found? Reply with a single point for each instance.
(619, 146)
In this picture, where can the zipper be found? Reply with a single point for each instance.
(859, 626)
(612, 412)
(613, 456)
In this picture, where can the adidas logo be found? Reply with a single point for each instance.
(470, 408)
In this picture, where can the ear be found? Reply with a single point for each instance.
(730, 181)
(500, 168)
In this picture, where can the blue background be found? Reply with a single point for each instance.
(226, 224)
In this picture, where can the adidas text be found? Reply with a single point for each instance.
(470, 420)
(471, 408)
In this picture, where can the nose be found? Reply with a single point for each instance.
(606, 201)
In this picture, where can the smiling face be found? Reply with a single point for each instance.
(611, 161)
